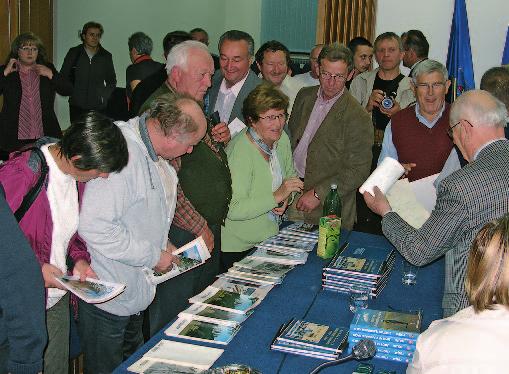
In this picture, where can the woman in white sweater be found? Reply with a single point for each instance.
(474, 340)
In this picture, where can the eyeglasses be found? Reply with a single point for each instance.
(449, 130)
(29, 49)
(337, 77)
(273, 117)
(428, 86)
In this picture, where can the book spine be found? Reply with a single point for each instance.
(410, 342)
(405, 351)
(389, 357)
(379, 331)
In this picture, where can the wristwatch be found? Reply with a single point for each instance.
(316, 195)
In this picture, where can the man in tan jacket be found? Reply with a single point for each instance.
(331, 136)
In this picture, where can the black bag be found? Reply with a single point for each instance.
(31, 195)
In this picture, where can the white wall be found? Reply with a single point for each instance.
(487, 21)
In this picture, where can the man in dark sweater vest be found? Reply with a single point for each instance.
(417, 136)
(204, 190)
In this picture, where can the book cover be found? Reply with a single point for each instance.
(175, 357)
(269, 267)
(259, 292)
(92, 291)
(372, 261)
(300, 227)
(293, 244)
(191, 255)
(315, 335)
(226, 300)
(208, 314)
(280, 258)
(387, 323)
(202, 331)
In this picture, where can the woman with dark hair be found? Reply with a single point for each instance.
(91, 148)
(28, 84)
(474, 340)
(263, 177)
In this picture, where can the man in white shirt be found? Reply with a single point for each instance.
(273, 60)
(234, 81)
(311, 77)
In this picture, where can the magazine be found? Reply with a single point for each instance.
(175, 357)
(92, 291)
(280, 258)
(191, 255)
(226, 300)
(188, 328)
(207, 313)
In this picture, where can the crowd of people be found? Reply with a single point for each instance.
(226, 147)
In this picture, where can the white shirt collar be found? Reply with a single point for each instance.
(235, 89)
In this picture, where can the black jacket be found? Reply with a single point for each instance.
(93, 79)
(10, 88)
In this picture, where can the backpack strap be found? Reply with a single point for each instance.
(31, 195)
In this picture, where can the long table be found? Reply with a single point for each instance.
(301, 296)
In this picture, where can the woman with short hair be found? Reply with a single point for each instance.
(263, 177)
(28, 83)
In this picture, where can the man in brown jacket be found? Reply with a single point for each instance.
(331, 136)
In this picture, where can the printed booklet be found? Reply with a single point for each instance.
(188, 328)
(92, 291)
(175, 357)
(191, 255)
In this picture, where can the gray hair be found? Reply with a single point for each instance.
(179, 53)
(428, 67)
(336, 52)
(141, 42)
(167, 109)
(488, 113)
(237, 35)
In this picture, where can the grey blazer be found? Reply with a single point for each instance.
(466, 200)
(251, 82)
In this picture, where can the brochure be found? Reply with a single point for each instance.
(188, 328)
(92, 291)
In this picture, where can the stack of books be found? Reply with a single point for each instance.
(217, 312)
(394, 333)
(254, 270)
(310, 339)
(360, 266)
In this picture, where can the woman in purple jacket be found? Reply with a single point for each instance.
(90, 148)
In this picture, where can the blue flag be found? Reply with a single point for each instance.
(459, 56)
(505, 56)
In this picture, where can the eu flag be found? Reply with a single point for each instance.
(505, 56)
(459, 55)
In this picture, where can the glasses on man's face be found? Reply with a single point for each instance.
(273, 117)
(328, 76)
(451, 128)
(27, 49)
(430, 86)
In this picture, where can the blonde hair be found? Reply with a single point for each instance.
(487, 278)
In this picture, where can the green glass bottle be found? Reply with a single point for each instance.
(332, 203)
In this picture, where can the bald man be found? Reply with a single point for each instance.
(466, 200)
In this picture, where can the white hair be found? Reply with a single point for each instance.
(179, 53)
(490, 112)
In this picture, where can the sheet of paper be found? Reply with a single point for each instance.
(403, 201)
(425, 191)
(236, 126)
(384, 176)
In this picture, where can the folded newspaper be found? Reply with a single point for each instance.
(191, 255)
(92, 291)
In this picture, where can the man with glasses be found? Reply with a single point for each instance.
(331, 137)
(416, 136)
(466, 200)
(233, 82)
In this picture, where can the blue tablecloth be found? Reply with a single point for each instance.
(301, 296)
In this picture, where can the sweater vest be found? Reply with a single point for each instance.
(416, 143)
(206, 181)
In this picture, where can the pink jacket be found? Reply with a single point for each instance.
(17, 176)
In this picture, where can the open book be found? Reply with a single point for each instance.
(175, 357)
(191, 255)
(413, 201)
(92, 291)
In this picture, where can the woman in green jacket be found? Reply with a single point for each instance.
(263, 177)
